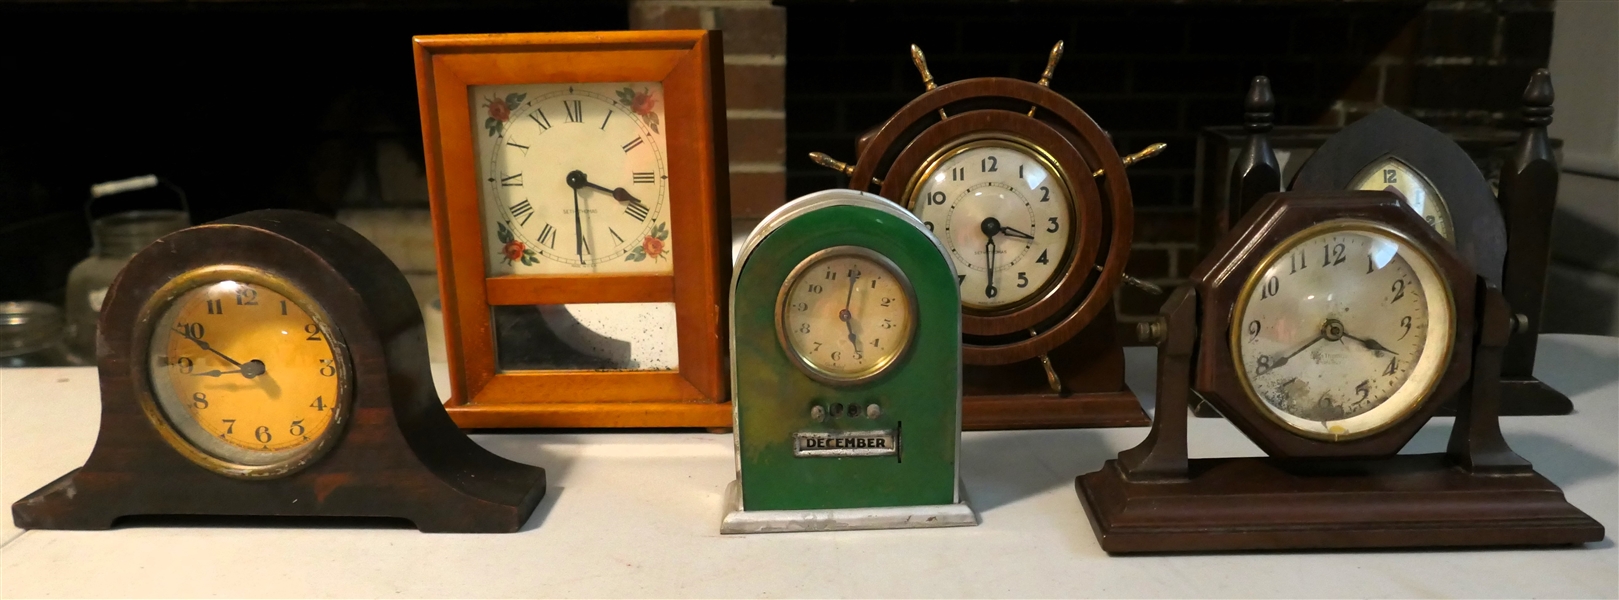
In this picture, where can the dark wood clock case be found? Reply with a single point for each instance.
(1505, 237)
(399, 455)
(1316, 494)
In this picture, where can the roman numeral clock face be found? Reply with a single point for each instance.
(573, 178)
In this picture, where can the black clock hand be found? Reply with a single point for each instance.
(213, 373)
(1276, 362)
(1371, 344)
(848, 317)
(989, 286)
(205, 346)
(1010, 232)
(249, 369)
(619, 194)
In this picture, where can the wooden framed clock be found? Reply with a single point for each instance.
(1329, 327)
(275, 364)
(580, 209)
(1029, 197)
(1392, 152)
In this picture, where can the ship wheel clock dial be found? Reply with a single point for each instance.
(575, 178)
(1343, 329)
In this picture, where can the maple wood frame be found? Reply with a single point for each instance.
(688, 63)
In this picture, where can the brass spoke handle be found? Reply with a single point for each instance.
(838, 165)
(1145, 153)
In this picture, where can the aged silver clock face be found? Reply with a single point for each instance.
(1343, 330)
(1003, 211)
(1393, 175)
(845, 314)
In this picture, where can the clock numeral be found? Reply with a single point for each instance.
(297, 427)
(192, 330)
(1364, 389)
(1054, 227)
(513, 181)
(518, 146)
(1333, 255)
(1390, 176)
(328, 367)
(314, 333)
(936, 198)
(548, 236)
(615, 235)
(262, 434)
(1272, 287)
(887, 324)
(803, 328)
(199, 400)
(886, 302)
(801, 306)
(1296, 261)
(576, 113)
(875, 343)
(1399, 290)
(647, 177)
(319, 404)
(988, 165)
(1045, 194)
(928, 224)
(830, 276)
(1023, 280)
(1430, 220)
(817, 347)
(283, 308)
(1253, 331)
(874, 282)
(246, 296)
(1393, 364)
(1043, 260)
(815, 288)
(538, 116)
(1262, 366)
(186, 365)
(631, 145)
(958, 173)
(1406, 323)
(637, 211)
(960, 279)
(1020, 171)
(837, 355)
(524, 211)
(605, 119)
(230, 427)
(216, 307)
(854, 273)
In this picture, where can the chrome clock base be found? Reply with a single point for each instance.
(737, 520)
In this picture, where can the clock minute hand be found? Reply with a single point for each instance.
(1278, 360)
(205, 346)
(848, 317)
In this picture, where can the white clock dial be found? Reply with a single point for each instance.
(846, 314)
(1392, 175)
(1343, 330)
(1004, 215)
(574, 178)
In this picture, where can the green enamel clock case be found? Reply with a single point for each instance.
(919, 393)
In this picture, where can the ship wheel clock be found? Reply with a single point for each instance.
(275, 364)
(1391, 152)
(1031, 202)
(1329, 327)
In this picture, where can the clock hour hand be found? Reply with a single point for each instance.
(619, 194)
(1371, 344)
(213, 373)
(1010, 232)
(848, 317)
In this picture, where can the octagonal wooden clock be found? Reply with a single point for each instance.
(1030, 199)
(1387, 150)
(579, 202)
(1329, 328)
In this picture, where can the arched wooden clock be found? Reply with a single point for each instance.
(275, 363)
(1389, 151)
(1329, 327)
(1030, 200)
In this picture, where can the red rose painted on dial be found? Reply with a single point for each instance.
(513, 250)
(498, 110)
(643, 103)
(653, 247)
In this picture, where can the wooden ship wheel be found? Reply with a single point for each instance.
(1029, 196)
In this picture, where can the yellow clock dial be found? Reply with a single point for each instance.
(846, 314)
(244, 373)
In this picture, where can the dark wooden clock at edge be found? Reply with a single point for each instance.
(1315, 495)
(1005, 383)
(398, 456)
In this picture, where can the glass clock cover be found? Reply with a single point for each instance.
(1344, 329)
(1393, 175)
(846, 314)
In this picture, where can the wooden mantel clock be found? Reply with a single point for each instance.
(1387, 150)
(1030, 198)
(579, 200)
(275, 364)
(1329, 327)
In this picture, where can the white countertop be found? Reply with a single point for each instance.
(637, 514)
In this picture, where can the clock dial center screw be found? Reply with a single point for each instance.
(253, 368)
(1332, 330)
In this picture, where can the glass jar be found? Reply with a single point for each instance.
(117, 238)
(31, 336)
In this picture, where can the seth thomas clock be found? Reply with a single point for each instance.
(579, 200)
(1031, 202)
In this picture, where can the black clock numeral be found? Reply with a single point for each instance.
(830, 276)
(615, 235)
(1253, 331)
(1045, 194)
(1023, 280)
(319, 404)
(631, 145)
(199, 400)
(637, 211)
(854, 273)
(874, 282)
(1272, 287)
(817, 347)
(960, 279)
(1429, 219)
(958, 173)
(803, 328)
(313, 331)
(1332, 255)
(328, 367)
(837, 355)
(1054, 226)
(887, 324)
(186, 364)
(1399, 290)
(1262, 366)
(216, 307)
(1406, 323)
(1296, 261)
(1020, 171)
(886, 302)
(262, 434)
(283, 308)
(192, 330)
(246, 296)
(1364, 389)
(1390, 176)
(523, 210)
(801, 306)
(1043, 260)
(1393, 364)
(297, 428)
(928, 224)
(230, 427)
(605, 119)
(518, 146)
(815, 288)
(876, 343)
(576, 113)
(538, 116)
(1370, 265)
(548, 236)
(988, 165)
(647, 177)
(936, 198)
(513, 181)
